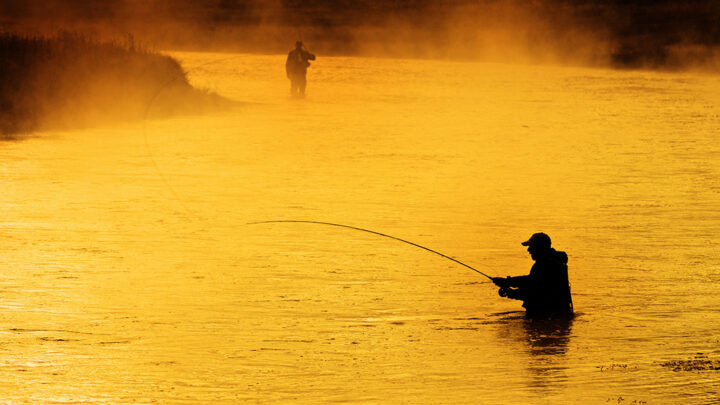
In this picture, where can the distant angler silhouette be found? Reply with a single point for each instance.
(296, 68)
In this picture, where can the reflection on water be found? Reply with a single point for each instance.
(548, 336)
(544, 343)
(130, 277)
(548, 340)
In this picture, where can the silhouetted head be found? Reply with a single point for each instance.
(538, 244)
(298, 45)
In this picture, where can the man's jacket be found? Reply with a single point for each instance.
(546, 290)
(297, 62)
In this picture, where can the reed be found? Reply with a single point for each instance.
(70, 81)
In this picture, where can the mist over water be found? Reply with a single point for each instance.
(664, 34)
(130, 276)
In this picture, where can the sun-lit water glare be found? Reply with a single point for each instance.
(131, 277)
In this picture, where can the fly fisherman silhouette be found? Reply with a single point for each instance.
(296, 68)
(545, 292)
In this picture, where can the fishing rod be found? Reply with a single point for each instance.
(193, 214)
(375, 233)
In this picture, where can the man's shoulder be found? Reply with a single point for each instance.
(561, 257)
(553, 257)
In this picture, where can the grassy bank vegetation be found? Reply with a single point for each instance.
(71, 81)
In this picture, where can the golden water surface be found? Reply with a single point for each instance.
(129, 275)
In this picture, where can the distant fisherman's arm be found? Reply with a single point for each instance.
(288, 63)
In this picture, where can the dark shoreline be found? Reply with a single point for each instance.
(623, 34)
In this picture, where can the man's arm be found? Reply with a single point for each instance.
(507, 282)
(513, 287)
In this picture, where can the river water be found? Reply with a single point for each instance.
(130, 275)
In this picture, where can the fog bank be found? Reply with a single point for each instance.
(661, 34)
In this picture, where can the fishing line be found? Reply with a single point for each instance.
(159, 171)
(190, 212)
(375, 233)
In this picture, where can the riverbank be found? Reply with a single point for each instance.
(71, 81)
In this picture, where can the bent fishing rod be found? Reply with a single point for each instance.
(374, 233)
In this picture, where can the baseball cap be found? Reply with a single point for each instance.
(538, 239)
